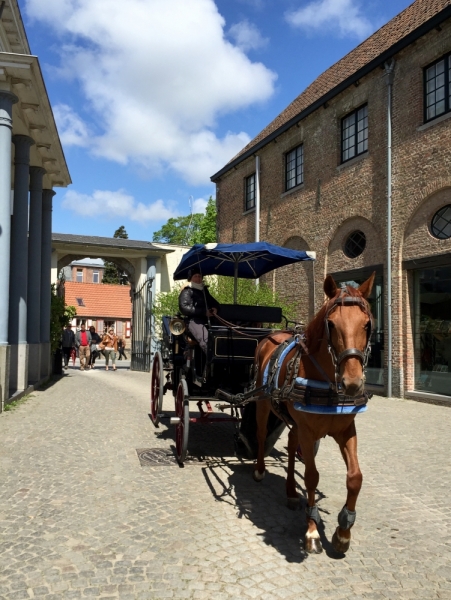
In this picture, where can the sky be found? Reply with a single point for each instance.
(152, 97)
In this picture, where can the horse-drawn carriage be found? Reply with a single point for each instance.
(219, 378)
(267, 377)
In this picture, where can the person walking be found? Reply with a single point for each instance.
(109, 343)
(95, 340)
(67, 343)
(83, 343)
(121, 348)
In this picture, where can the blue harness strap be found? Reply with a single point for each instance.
(281, 358)
(330, 410)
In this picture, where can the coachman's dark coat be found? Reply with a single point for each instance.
(195, 303)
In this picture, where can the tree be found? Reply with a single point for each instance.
(179, 230)
(207, 230)
(191, 229)
(112, 273)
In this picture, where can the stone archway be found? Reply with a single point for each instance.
(124, 264)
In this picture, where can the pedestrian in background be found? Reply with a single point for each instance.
(83, 343)
(121, 348)
(67, 343)
(109, 343)
(95, 340)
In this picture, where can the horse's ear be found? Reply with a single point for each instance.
(330, 287)
(367, 286)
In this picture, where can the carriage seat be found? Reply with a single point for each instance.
(250, 314)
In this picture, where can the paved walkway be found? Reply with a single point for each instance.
(81, 518)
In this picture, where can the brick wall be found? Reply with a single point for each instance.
(336, 199)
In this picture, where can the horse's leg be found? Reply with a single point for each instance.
(292, 495)
(311, 477)
(346, 518)
(263, 410)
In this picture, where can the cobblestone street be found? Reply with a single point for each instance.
(81, 518)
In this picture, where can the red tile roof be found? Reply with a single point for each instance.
(386, 38)
(100, 299)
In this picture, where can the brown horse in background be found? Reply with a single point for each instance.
(337, 340)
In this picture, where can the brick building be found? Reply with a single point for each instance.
(367, 142)
(103, 306)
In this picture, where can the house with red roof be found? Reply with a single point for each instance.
(101, 305)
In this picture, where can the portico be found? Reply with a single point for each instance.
(32, 163)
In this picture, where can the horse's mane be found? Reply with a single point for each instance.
(315, 329)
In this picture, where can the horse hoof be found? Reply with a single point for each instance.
(340, 544)
(258, 477)
(313, 545)
(293, 503)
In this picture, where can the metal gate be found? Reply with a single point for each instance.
(142, 327)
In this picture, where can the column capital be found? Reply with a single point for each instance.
(8, 96)
(22, 152)
(47, 196)
(36, 175)
(7, 99)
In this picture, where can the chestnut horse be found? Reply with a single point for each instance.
(337, 340)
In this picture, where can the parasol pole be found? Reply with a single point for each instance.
(235, 283)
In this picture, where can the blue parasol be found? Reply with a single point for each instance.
(246, 261)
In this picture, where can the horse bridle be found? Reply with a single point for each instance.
(337, 359)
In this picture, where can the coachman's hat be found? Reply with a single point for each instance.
(193, 271)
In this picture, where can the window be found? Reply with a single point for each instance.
(355, 244)
(437, 88)
(80, 301)
(354, 133)
(249, 192)
(441, 223)
(294, 168)
(80, 275)
(432, 340)
(95, 277)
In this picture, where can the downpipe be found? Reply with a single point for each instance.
(389, 76)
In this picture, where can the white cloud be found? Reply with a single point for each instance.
(156, 76)
(199, 205)
(115, 204)
(342, 17)
(73, 130)
(247, 36)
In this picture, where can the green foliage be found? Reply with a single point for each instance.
(179, 230)
(191, 229)
(60, 316)
(207, 230)
(221, 288)
(121, 233)
(112, 273)
(15, 403)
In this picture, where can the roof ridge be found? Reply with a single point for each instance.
(411, 19)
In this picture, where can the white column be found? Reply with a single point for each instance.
(7, 99)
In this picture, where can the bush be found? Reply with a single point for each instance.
(221, 288)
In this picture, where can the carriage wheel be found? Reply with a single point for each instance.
(182, 427)
(156, 392)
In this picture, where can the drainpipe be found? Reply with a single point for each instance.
(389, 74)
(257, 203)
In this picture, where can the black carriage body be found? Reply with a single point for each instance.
(228, 366)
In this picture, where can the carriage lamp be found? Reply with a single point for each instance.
(177, 326)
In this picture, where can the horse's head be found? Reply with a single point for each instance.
(348, 325)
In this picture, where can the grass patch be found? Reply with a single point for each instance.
(15, 403)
